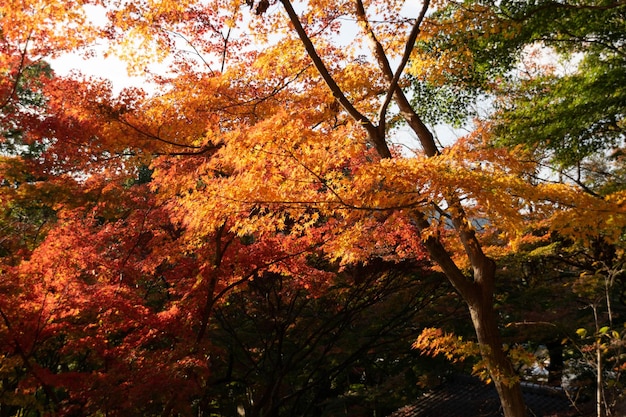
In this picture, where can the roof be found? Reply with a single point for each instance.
(465, 396)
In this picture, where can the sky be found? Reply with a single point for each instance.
(108, 66)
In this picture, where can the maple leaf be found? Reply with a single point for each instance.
(252, 160)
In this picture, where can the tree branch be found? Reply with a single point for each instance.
(408, 48)
(424, 134)
(373, 133)
(18, 76)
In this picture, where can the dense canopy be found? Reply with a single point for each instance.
(267, 222)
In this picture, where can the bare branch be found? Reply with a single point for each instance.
(191, 45)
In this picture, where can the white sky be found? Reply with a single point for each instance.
(110, 68)
(115, 70)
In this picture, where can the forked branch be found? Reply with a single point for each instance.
(373, 132)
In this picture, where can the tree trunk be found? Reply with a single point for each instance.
(555, 369)
(599, 382)
(499, 365)
(477, 293)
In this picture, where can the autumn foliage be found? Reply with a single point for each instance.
(270, 159)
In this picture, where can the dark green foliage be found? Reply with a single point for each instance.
(446, 104)
(567, 114)
(572, 117)
(24, 106)
(575, 112)
(548, 292)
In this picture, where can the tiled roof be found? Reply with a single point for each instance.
(464, 396)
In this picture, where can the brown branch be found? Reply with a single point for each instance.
(152, 136)
(424, 134)
(483, 266)
(192, 46)
(225, 49)
(408, 48)
(18, 76)
(434, 246)
(373, 133)
(220, 251)
(337, 204)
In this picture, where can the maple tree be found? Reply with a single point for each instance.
(270, 138)
(569, 114)
(559, 69)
